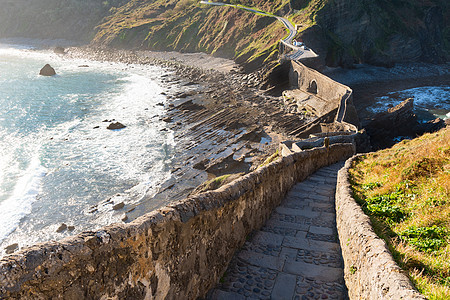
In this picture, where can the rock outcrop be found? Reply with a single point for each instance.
(342, 32)
(12, 248)
(47, 70)
(115, 125)
(59, 50)
(378, 32)
(397, 121)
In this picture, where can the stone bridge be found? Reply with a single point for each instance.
(182, 250)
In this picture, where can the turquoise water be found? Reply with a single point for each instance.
(55, 165)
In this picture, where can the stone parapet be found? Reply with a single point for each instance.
(177, 252)
(370, 270)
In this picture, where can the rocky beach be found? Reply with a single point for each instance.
(223, 124)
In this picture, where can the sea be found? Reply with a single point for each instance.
(59, 164)
(430, 102)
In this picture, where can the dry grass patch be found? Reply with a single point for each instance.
(406, 192)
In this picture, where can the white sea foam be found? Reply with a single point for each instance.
(56, 137)
(18, 205)
(435, 99)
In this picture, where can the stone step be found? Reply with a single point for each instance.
(296, 254)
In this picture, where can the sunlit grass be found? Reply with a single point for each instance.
(406, 192)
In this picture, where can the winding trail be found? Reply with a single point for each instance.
(296, 254)
(298, 52)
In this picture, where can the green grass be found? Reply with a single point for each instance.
(406, 192)
(270, 159)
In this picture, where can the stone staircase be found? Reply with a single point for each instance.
(296, 254)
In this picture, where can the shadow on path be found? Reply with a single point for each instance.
(296, 254)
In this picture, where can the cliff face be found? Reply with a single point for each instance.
(343, 32)
(380, 32)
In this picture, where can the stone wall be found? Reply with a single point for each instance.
(177, 252)
(338, 96)
(327, 88)
(369, 268)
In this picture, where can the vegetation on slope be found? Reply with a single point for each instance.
(378, 32)
(406, 192)
(189, 26)
(341, 31)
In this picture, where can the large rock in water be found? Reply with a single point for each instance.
(116, 125)
(47, 70)
(59, 50)
(397, 121)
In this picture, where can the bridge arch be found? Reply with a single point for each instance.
(295, 80)
(312, 88)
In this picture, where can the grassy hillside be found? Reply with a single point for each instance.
(188, 26)
(406, 192)
(341, 31)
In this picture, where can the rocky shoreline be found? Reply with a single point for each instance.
(222, 123)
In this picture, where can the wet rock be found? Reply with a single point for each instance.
(59, 50)
(71, 228)
(183, 95)
(397, 121)
(47, 70)
(96, 127)
(253, 135)
(115, 125)
(190, 106)
(227, 165)
(118, 206)
(61, 228)
(201, 165)
(12, 248)
(431, 126)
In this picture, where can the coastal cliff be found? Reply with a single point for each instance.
(343, 32)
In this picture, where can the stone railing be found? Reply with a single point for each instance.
(177, 252)
(369, 268)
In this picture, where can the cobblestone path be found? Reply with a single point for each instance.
(296, 255)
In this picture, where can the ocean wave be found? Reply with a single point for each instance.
(427, 98)
(25, 192)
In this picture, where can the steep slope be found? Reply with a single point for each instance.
(343, 32)
(189, 26)
(378, 32)
(406, 192)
